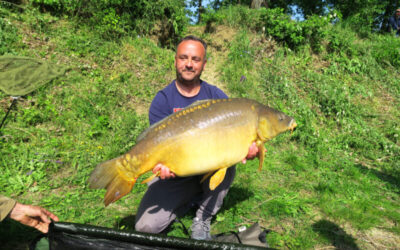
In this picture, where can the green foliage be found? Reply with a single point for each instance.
(386, 50)
(339, 126)
(211, 16)
(315, 30)
(113, 19)
(9, 37)
(240, 59)
(100, 126)
(340, 42)
(279, 25)
(56, 4)
(275, 23)
(294, 34)
(361, 15)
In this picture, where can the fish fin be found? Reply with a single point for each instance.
(206, 176)
(217, 178)
(261, 138)
(150, 129)
(118, 188)
(150, 178)
(106, 175)
(103, 174)
(261, 155)
(155, 125)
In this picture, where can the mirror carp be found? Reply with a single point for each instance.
(206, 137)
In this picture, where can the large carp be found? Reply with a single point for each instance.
(206, 137)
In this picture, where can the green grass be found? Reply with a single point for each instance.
(333, 182)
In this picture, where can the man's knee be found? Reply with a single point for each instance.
(152, 224)
(148, 226)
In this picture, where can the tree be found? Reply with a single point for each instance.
(256, 4)
(310, 7)
(366, 14)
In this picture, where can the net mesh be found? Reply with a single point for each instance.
(21, 75)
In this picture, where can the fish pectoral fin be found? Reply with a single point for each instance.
(206, 176)
(217, 178)
(261, 138)
(261, 154)
(151, 177)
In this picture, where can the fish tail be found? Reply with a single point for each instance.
(107, 175)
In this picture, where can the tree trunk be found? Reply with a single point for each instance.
(256, 4)
(200, 11)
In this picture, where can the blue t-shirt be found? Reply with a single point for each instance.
(169, 100)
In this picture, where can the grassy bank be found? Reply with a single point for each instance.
(334, 182)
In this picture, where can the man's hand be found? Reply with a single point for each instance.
(32, 216)
(165, 173)
(253, 152)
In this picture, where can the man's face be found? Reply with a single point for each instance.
(397, 13)
(189, 61)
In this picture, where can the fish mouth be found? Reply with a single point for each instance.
(292, 125)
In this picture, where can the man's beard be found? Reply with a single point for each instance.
(185, 82)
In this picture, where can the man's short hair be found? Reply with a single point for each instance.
(193, 38)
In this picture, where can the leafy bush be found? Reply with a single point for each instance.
(291, 33)
(339, 41)
(114, 18)
(315, 30)
(279, 25)
(275, 23)
(362, 16)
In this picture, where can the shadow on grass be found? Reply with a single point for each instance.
(14, 235)
(339, 238)
(235, 195)
(392, 180)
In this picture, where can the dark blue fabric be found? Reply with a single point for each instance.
(394, 23)
(169, 100)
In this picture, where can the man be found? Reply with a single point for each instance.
(170, 196)
(29, 215)
(394, 22)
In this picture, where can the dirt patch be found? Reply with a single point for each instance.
(376, 238)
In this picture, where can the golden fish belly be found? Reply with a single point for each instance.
(200, 151)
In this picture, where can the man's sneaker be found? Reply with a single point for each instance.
(201, 229)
